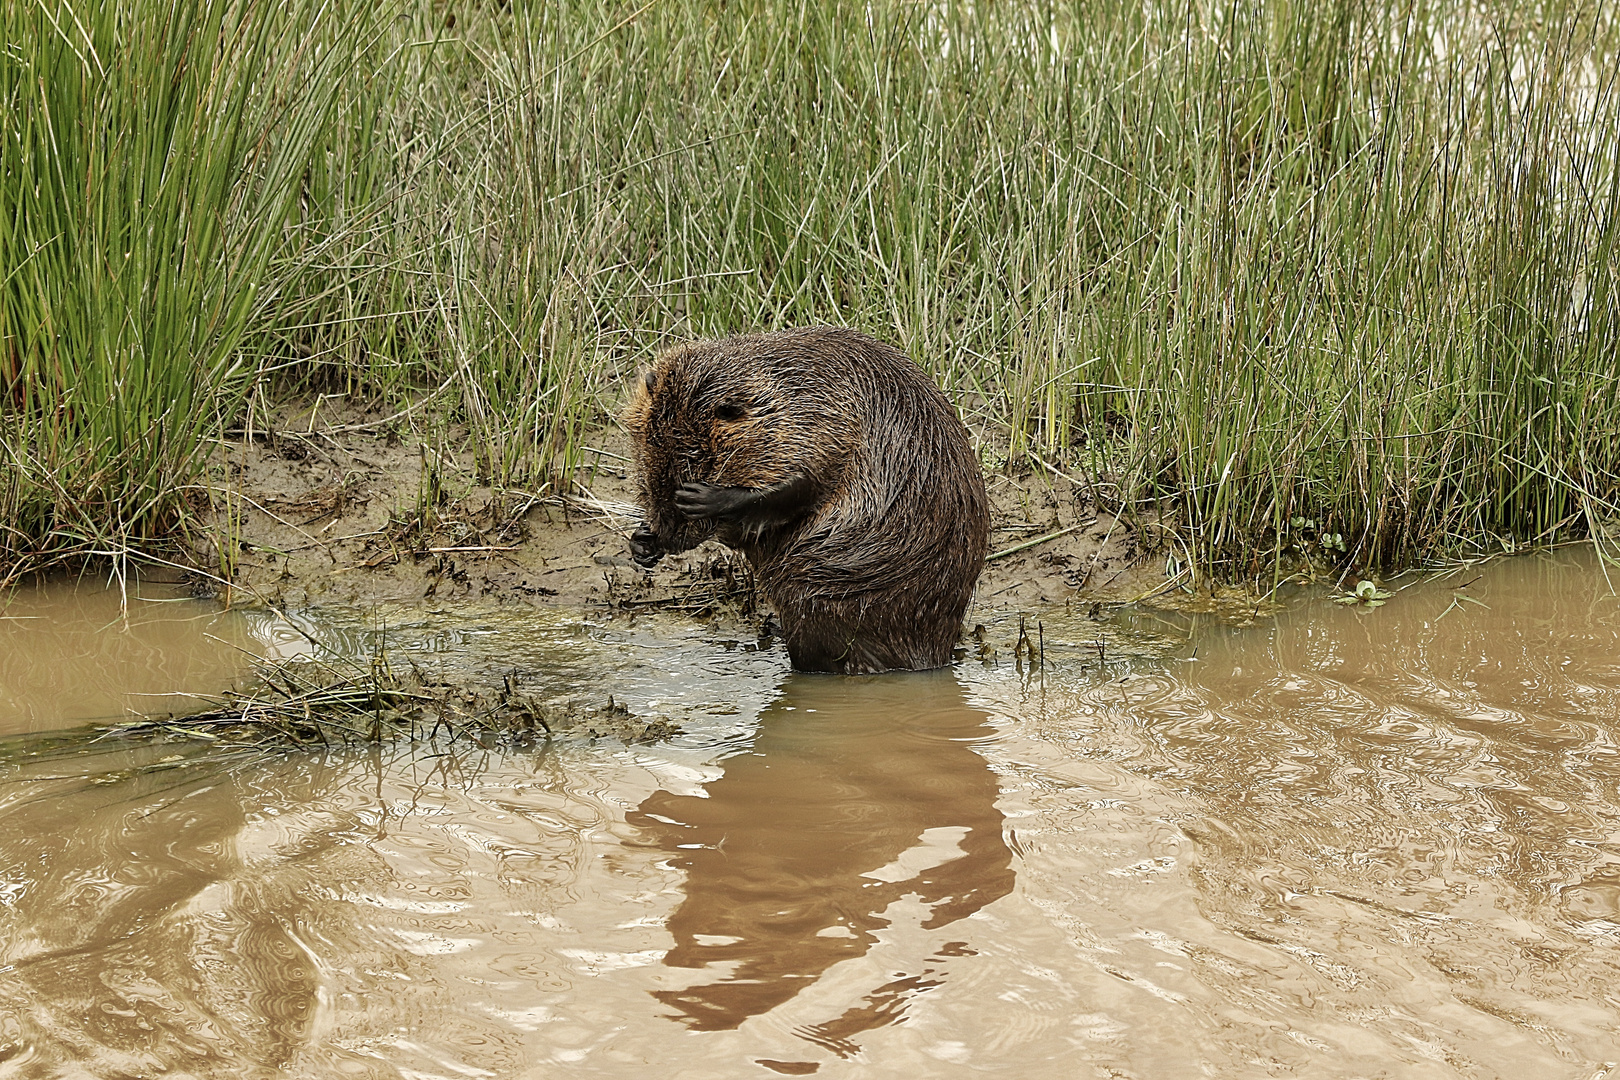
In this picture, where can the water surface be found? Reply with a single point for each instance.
(73, 651)
(1335, 843)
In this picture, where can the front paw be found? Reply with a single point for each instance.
(700, 500)
(644, 548)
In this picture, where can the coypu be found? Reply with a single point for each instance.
(838, 468)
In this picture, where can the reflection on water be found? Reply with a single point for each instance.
(855, 793)
(133, 942)
(1338, 843)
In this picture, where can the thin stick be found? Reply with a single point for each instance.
(1039, 540)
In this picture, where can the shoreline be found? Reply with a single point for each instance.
(348, 516)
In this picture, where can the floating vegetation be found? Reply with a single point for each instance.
(1365, 594)
(317, 703)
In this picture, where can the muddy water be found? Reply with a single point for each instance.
(1334, 843)
(78, 651)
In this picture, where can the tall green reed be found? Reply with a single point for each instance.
(1277, 271)
(154, 154)
(1271, 273)
(1386, 310)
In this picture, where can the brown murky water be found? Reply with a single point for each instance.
(1337, 843)
(76, 652)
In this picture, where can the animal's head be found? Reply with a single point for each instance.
(709, 412)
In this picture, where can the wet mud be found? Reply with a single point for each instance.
(354, 515)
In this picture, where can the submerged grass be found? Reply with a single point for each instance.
(310, 703)
(1333, 280)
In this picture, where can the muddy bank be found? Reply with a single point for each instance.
(346, 539)
(349, 538)
(358, 512)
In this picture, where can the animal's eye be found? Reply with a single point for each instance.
(730, 410)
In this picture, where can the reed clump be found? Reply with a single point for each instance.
(1330, 281)
(153, 159)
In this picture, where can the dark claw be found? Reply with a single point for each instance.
(700, 500)
(644, 548)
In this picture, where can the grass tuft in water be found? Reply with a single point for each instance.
(307, 703)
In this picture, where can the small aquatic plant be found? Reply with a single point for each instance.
(308, 702)
(1365, 594)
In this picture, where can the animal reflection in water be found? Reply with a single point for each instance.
(810, 835)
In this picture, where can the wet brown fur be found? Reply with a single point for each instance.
(838, 468)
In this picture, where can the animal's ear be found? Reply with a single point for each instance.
(731, 410)
(649, 379)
